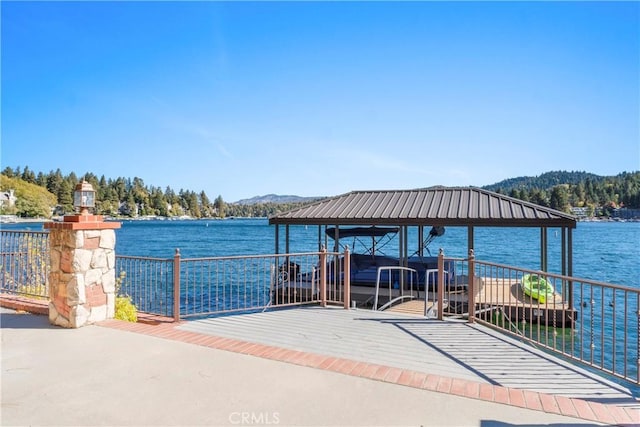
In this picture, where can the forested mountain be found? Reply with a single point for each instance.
(31, 199)
(545, 181)
(562, 190)
(121, 197)
(41, 194)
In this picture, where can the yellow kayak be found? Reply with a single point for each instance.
(537, 287)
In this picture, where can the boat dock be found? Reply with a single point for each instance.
(451, 348)
(489, 293)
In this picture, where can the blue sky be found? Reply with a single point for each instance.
(320, 98)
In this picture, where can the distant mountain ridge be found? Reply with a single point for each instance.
(276, 198)
(545, 181)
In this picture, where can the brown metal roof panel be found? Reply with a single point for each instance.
(359, 202)
(474, 205)
(400, 208)
(463, 205)
(377, 211)
(427, 203)
(442, 204)
(449, 209)
(411, 205)
(494, 207)
(434, 205)
(517, 211)
(386, 205)
(356, 202)
(423, 205)
(381, 206)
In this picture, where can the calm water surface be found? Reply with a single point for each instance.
(605, 251)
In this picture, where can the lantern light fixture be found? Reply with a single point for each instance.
(84, 197)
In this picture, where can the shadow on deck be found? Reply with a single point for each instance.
(450, 348)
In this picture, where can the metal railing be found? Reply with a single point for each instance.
(24, 263)
(148, 282)
(586, 321)
(194, 287)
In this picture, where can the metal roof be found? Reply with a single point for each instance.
(447, 206)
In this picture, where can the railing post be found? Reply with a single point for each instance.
(176, 286)
(440, 283)
(347, 278)
(323, 277)
(471, 286)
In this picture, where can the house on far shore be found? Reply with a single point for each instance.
(625, 213)
(582, 212)
(7, 199)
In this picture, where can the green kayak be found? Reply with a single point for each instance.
(537, 287)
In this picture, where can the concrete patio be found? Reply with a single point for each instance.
(121, 373)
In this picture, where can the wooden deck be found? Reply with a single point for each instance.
(450, 348)
(508, 295)
(489, 292)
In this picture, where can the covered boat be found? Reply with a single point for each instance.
(367, 258)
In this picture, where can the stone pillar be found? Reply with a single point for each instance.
(82, 278)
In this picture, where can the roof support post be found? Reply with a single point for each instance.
(563, 253)
(570, 263)
(564, 260)
(470, 238)
(401, 247)
(286, 233)
(277, 239)
(543, 249)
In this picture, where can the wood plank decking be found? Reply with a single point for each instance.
(454, 349)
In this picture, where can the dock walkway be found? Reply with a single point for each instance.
(448, 348)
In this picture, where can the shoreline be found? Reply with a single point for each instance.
(13, 219)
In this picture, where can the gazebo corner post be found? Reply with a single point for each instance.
(347, 278)
(323, 277)
(471, 287)
(440, 283)
(570, 265)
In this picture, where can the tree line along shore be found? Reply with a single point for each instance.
(27, 194)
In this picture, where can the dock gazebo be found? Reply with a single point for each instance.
(468, 207)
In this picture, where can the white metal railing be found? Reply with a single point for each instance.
(404, 277)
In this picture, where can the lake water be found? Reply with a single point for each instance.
(604, 251)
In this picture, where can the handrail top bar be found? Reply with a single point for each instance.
(144, 258)
(24, 232)
(296, 254)
(219, 258)
(555, 275)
